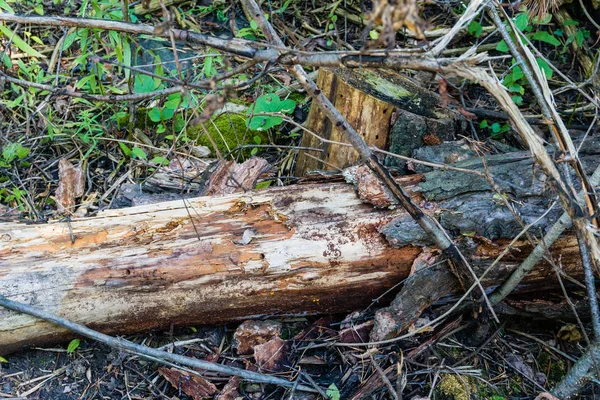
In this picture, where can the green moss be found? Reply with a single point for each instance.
(454, 388)
(382, 85)
(227, 131)
(555, 369)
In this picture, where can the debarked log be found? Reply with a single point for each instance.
(301, 249)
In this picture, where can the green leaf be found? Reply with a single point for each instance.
(73, 345)
(483, 124)
(20, 43)
(518, 100)
(333, 393)
(516, 88)
(546, 37)
(6, 60)
(544, 67)
(253, 25)
(257, 139)
(2, 359)
(12, 151)
(263, 185)
(475, 29)
(269, 103)
(139, 153)
(262, 123)
(144, 84)
(502, 46)
(545, 20)
(570, 22)
(154, 114)
(287, 106)
(22, 152)
(6, 7)
(579, 37)
(160, 160)
(517, 73)
(125, 149)
(373, 34)
(254, 151)
(521, 21)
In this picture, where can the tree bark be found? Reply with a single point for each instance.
(314, 248)
(387, 109)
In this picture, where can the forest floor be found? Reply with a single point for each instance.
(120, 143)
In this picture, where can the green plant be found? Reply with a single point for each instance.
(496, 129)
(515, 80)
(73, 345)
(333, 393)
(578, 36)
(269, 104)
(12, 152)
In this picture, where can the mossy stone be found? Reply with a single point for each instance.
(228, 131)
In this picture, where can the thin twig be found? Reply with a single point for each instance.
(143, 351)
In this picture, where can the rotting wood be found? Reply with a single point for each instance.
(315, 249)
(386, 108)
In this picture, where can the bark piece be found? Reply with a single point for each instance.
(71, 185)
(272, 355)
(193, 385)
(253, 333)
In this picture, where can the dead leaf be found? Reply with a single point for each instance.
(70, 186)
(253, 333)
(358, 333)
(230, 177)
(444, 92)
(193, 385)
(272, 355)
(395, 14)
(312, 360)
(230, 391)
(569, 333)
(466, 114)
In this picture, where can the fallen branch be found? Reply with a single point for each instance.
(149, 352)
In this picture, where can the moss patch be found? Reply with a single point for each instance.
(228, 131)
(387, 87)
(555, 369)
(454, 388)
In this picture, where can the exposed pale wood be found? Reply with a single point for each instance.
(316, 249)
(146, 267)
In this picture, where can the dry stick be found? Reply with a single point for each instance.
(574, 381)
(543, 95)
(147, 352)
(563, 223)
(470, 13)
(430, 225)
(580, 372)
(590, 255)
(253, 50)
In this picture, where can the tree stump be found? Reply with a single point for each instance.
(389, 110)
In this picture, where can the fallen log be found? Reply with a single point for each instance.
(306, 249)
